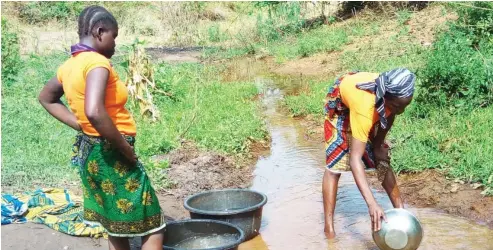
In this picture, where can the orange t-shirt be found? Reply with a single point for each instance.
(72, 75)
(361, 104)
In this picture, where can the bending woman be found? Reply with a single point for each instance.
(360, 110)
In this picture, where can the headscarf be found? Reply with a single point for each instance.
(397, 82)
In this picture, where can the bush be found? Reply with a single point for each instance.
(215, 35)
(459, 70)
(283, 18)
(42, 12)
(477, 19)
(11, 60)
(457, 73)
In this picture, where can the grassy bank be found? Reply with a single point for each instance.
(307, 42)
(36, 147)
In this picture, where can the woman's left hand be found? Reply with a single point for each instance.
(381, 153)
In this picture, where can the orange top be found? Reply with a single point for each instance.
(361, 104)
(72, 74)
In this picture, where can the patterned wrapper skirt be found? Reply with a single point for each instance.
(117, 196)
(337, 132)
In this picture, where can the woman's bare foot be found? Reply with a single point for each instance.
(329, 233)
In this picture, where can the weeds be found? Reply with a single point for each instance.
(11, 60)
(140, 81)
(459, 71)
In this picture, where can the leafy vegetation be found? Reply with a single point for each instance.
(11, 61)
(459, 70)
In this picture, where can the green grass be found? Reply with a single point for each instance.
(227, 53)
(457, 143)
(323, 39)
(307, 43)
(36, 147)
(308, 102)
(216, 115)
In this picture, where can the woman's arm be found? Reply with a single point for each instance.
(380, 150)
(95, 111)
(376, 212)
(49, 97)
(379, 138)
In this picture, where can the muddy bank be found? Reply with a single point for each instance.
(175, 55)
(193, 170)
(431, 188)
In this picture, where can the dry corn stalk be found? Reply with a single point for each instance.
(140, 81)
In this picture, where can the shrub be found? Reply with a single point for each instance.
(11, 60)
(459, 70)
(457, 73)
(477, 18)
(42, 12)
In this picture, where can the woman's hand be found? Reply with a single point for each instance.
(376, 214)
(381, 153)
(129, 154)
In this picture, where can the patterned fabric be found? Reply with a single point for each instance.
(397, 82)
(117, 196)
(58, 209)
(13, 210)
(338, 132)
(79, 47)
(61, 211)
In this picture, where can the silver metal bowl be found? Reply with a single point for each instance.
(402, 231)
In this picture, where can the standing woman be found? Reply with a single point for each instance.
(117, 191)
(360, 110)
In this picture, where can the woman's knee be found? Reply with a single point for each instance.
(331, 174)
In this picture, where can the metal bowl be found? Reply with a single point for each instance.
(201, 235)
(240, 207)
(402, 231)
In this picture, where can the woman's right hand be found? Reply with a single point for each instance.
(129, 154)
(376, 215)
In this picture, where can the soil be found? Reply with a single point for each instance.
(431, 188)
(424, 25)
(175, 54)
(314, 66)
(193, 170)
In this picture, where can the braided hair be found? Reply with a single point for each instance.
(95, 16)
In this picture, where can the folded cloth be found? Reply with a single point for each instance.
(60, 210)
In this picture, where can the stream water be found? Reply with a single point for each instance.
(291, 174)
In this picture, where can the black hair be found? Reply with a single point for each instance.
(95, 16)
